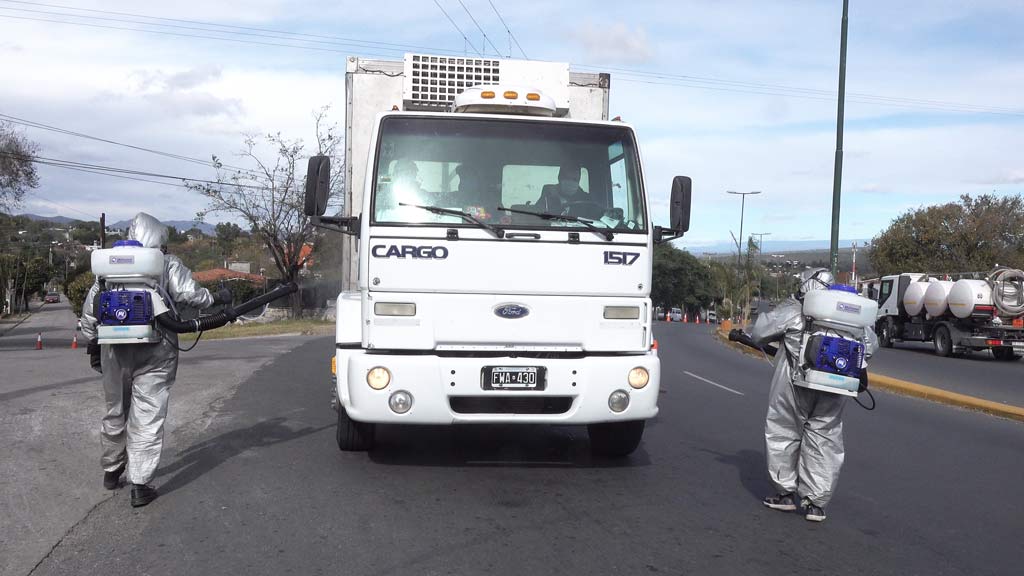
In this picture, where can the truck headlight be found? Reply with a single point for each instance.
(638, 377)
(618, 401)
(378, 378)
(400, 402)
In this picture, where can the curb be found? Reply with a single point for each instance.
(880, 381)
(890, 384)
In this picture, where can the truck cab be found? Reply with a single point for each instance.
(504, 271)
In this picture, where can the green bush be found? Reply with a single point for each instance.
(77, 290)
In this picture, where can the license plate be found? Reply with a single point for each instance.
(513, 378)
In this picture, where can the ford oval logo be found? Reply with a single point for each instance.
(511, 311)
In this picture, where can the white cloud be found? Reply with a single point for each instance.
(614, 42)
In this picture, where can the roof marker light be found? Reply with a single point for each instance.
(511, 94)
(487, 94)
(533, 97)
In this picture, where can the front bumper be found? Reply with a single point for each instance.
(576, 392)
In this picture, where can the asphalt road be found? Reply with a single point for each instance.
(975, 374)
(51, 403)
(262, 489)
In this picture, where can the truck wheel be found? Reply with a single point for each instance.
(354, 436)
(1005, 353)
(885, 329)
(615, 439)
(943, 342)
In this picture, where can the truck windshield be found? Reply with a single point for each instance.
(477, 165)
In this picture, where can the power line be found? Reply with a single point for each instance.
(509, 30)
(111, 170)
(210, 163)
(227, 27)
(775, 89)
(461, 33)
(478, 27)
(631, 75)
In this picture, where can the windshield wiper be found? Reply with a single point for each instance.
(608, 234)
(498, 232)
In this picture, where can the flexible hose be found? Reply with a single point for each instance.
(219, 319)
(1007, 291)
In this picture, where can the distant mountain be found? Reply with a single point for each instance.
(775, 246)
(179, 225)
(62, 220)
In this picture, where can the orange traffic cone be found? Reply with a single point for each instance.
(39, 341)
(686, 318)
(698, 318)
(668, 316)
(74, 342)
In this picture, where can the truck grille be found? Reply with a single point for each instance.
(510, 404)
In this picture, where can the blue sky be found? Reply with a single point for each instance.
(742, 98)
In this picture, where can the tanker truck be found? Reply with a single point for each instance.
(957, 313)
(472, 293)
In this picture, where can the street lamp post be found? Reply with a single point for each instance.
(743, 206)
(739, 249)
(837, 177)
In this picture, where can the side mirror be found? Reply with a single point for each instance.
(679, 205)
(318, 185)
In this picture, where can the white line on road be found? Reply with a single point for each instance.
(726, 388)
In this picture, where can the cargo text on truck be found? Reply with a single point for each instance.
(498, 251)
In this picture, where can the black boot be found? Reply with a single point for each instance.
(112, 479)
(142, 494)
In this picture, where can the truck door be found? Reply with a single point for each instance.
(886, 299)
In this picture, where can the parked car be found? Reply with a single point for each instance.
(52, 298)
(676, 315)
(712, 317)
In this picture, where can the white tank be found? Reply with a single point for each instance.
(840, 306)
(936, 298)
(965, 295)
(913, 298)
(128, 263)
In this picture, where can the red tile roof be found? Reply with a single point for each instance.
(216, 274)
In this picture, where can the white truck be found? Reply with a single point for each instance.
(500, 244)
(973, 313)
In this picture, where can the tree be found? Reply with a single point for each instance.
(971, 235)
(17, 170)
(227, 233)
(270, 196)
(680, 279)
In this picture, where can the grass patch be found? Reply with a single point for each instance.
(236, 330)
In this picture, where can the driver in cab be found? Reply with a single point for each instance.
(556, 198)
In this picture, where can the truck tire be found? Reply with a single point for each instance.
(1005, 353)
(354, 436)
(885, 330)
(943, 342)
(615, 439)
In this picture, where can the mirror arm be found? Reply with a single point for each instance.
(346, 225)
(661, 237)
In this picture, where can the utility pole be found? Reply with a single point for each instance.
(837, 180)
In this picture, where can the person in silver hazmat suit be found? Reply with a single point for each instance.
(137, 378)
(804, 428)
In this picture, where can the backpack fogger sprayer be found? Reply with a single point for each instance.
(131, 302)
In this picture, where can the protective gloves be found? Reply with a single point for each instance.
(93, 350)
(222, 296)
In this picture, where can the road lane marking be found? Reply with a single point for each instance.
(726, 388)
